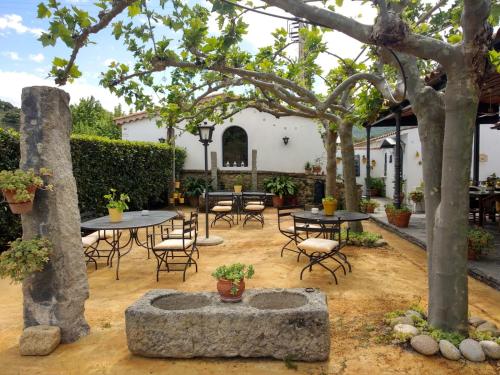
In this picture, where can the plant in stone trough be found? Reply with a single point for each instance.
(230, 280)
(24, 257)
(19, 187)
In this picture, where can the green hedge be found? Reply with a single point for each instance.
(140, 169)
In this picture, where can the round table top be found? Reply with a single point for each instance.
(341, 214)
(229, 193)
(131, 220)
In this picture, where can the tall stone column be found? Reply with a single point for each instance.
(254, 170)
(213, 169)
(56, 296)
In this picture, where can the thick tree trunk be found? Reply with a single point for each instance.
(351, 195)
(55, 296)
(448, 297)
(331, 162)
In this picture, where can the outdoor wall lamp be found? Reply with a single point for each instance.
(285, 140)
(161, 140)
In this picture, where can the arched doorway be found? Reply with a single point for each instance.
(235, 147)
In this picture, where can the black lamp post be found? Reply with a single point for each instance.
(205, 132)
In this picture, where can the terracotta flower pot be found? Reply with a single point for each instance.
(390, 216)
(369, 209)
(115, 215)
(471, 254)
(277, 201)
(238, 188)
(19, 207)
(329, 207)
(224, 288)
(401, 219)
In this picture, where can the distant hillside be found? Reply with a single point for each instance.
(359, 134)
(9, 115)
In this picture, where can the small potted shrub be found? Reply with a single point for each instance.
(479, 242)
(307, 168)
(19, 188)
(329, 205)
(24, 257)
(491, 181)
(194, 188)
(238, 184)
(116, 206)
(368, 206)
(417, 197)
(399, 217)
(280, 186)
(231, 281)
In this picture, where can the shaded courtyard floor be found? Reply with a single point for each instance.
(486, 269)
(382, 280)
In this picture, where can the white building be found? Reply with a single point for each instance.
(283, 144)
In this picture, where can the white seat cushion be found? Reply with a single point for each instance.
(177, 233)
(103, 234)
(291, 229)
(317, 244)
(221, 208)
(90, 240)
(254, 207)
(258, 203)
(224, 203)
(174, 244)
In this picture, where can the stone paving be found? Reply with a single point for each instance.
(486, 269)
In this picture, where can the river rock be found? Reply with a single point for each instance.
(491, 349)
(476, 321)
(413, 313)
(424, 344)
(39, 340)
(472, 351)
(401, 320)
(380, 243)
(488, 327)
(406, 329)
(449, 351)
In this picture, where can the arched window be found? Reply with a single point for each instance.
(235, 147)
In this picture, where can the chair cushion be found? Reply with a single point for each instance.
(317, 244)
(90, 240)
(221, 208)
(254, 207)
(177, 233)
(173, 244)
(103, 234)
(258, 203)
(224, 203)
(301, 227)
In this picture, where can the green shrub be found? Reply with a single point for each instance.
(367, 239)
(142, 169)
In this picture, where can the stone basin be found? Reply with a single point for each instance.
(278, 323)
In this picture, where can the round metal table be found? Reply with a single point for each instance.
(342, 215)
(132, 221)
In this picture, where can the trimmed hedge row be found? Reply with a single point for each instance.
(143, 170)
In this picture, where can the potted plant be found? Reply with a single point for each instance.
(368, 206)
(491, 181)
(307, 167)
(280, 186)
(177, 184)
(417, 197)
(329, 205)
(231, 281)
(316, 168)
(399, 217)
(116, 206)
(194, 188)
(181, 199)
(377, 186)
(479, 242)
(238, 184)
(24, 257)
(19, 188)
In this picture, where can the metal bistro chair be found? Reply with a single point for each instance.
(319, 250)
(171, 251)
(91, 243)
(253, 205)
(177, 230)
(286, 227)
(224, 211)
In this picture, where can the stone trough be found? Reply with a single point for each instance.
(279, 323)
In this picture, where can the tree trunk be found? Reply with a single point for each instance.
(55, 296)
(448, 297)
(351, 194)
(331, 162)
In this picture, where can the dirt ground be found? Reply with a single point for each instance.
(382, 280)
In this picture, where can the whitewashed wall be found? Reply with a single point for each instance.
(265, 134)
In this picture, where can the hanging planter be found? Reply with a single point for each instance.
(19, 188)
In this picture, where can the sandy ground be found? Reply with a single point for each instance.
(382, 280)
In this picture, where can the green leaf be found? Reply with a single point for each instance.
(339, 2)
(134, 9)
(43, 11)
(59, 62)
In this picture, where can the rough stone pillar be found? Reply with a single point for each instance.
(213, 169)
(55, 296)
(254, 170)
